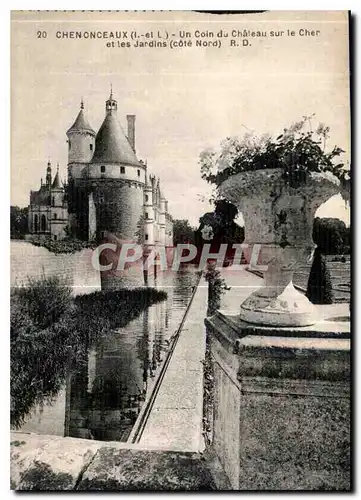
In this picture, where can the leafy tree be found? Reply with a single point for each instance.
(183, 232)
(18, 222)
(331, 236)
(221, 221)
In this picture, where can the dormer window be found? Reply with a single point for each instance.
(102, 169)
(122, 170)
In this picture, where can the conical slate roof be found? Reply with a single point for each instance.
(112, 145)
(56, 182)
(81, 123)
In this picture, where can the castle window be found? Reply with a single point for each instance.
(53, 201)
(43, 223)
(36, 223)
(122, 170)
(69, 144)
(91, 147)
(138, 172)
(146, 215)
(102, 169)
(55, 216)
(55, 237)
(146, 236)
(146, 197)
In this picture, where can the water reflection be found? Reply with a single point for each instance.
(105, 394)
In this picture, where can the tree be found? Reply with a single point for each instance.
(331, 236)
(18, 222)
(221, 222)
(183, 232)
(319, 286)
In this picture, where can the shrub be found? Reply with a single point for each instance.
(44, 299)
(319, 286)
(68, 245)
(216, 287)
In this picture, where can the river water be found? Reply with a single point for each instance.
(102, 398)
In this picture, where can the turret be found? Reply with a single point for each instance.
(111, 104)
(81, 137)
(48, 175)
(57, 191)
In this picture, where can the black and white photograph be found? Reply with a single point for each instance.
(180, 251)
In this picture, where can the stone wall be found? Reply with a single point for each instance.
(30, 261)
(119, 208)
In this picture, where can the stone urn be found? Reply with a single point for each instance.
(280, 219)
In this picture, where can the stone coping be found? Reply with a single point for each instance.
(55, 463)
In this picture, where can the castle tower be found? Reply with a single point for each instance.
(117, 179)
(81, 139)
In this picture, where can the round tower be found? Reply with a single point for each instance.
(117, 179)
(81, 139)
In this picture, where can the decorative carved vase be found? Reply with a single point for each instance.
(280, 219)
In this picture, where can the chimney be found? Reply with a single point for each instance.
(131, 130)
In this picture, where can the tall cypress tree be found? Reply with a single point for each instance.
(319, 286)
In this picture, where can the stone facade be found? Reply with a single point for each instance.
(48, 209)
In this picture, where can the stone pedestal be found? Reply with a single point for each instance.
(281, 404)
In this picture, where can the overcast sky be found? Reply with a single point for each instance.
(184, 100)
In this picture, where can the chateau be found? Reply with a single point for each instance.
(109, 191)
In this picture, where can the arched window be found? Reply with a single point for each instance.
(43, 223)
(36, 223)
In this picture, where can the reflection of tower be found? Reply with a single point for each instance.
(107, 393)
